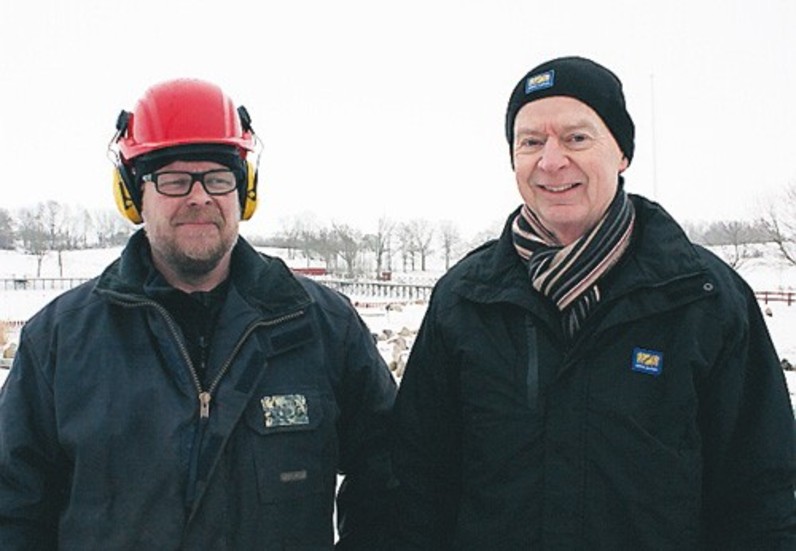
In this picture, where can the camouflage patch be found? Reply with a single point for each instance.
(285, 410)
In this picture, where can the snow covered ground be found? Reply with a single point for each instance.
(763, 274)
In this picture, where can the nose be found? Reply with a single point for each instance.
(553, 156)
(198, 194)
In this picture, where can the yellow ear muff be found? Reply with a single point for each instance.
(250, 200)
(124, 202)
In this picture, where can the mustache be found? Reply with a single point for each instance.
(199, 216)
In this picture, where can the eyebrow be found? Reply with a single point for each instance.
(577, 125)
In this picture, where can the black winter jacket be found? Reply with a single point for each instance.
(665, 425)
(109, 441)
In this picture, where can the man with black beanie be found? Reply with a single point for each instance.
(591, 379)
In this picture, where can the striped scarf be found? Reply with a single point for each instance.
(568, 275)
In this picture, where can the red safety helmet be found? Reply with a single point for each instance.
(184, 111)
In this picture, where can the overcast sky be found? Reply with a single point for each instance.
(371, 109)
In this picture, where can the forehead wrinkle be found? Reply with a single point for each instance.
(541, 128)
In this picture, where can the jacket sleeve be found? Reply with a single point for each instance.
(427, 443)
(748, 441)
(31, 475)
(364, 499)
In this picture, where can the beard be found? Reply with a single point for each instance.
(192, 264)
(192, 255)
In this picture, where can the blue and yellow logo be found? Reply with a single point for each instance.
(647, 361)
(540, 81)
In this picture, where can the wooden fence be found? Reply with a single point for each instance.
(386, 291)
(765, 297)
(40, 283)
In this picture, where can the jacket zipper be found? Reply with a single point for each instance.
(204, 396)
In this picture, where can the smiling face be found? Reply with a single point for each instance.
(566, 163)
(191, 237)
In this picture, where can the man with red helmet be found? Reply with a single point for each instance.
(197, 394)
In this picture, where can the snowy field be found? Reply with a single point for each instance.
(390, 323)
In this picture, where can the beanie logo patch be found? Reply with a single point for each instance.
(540, 81)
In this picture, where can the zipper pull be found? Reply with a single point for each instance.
(204, 405)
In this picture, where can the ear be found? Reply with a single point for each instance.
(623, 165)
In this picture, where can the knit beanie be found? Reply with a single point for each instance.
(583, 80)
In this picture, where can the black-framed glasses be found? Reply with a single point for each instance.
(176, 183)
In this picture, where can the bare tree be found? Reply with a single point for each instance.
(349, 246)
(84, 227)
(111, 229)
(55, 218)
(6, 230)
(735, 240)
(322, 242)
(290, 234)
(422, 233)
(380, 244)
(407, 247)
(780, 223)
(33, 235)
(449, 238)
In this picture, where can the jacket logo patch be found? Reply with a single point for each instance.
(540, 81)
(647, 361)
(285, 410)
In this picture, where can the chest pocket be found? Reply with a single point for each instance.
(289, 444)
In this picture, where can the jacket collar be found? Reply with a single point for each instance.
(494, 272)
(659, 252)
(265, 282)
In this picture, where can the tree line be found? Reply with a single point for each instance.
(53, 227)
(735, 239)
(407, 246)
(395, 246)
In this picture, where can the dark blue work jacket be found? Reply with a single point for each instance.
(664, 425)
(110, 440)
